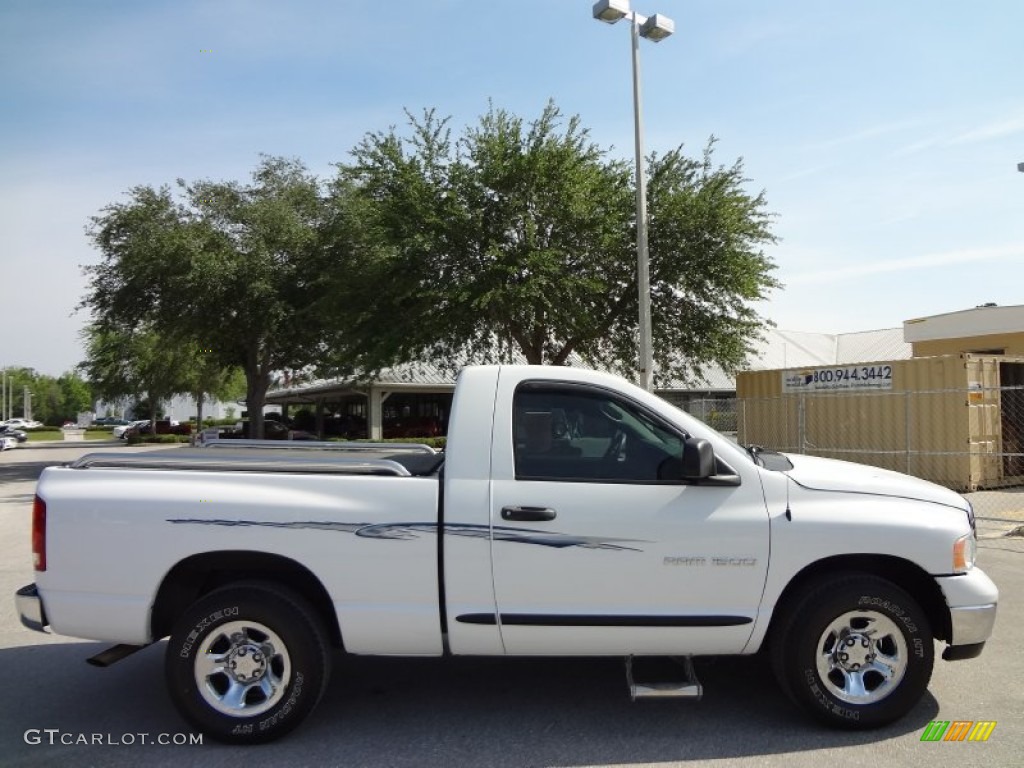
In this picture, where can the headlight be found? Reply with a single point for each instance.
(965, 551)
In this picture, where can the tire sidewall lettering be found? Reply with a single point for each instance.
(287, 707)
(208, 621)
(894, 610)
(823, 699)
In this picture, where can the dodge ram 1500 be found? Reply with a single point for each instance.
(572, 513)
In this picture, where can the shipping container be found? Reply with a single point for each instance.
(957, 420)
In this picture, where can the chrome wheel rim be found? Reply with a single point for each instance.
(861, 657)
(242, 668)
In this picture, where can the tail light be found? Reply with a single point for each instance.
(39, 534)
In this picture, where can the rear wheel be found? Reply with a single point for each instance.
(855, 651)
(247, 663)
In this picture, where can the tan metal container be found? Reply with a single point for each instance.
(938, 418)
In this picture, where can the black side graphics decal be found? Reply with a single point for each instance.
(408, 531)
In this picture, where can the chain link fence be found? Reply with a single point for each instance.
(969, 440)
(718, 413)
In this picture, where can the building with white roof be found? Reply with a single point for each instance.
(416, 395)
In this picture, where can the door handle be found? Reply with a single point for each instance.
(527, 514)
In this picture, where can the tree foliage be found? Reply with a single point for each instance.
(127, 362)
(522, 236)
(225, 268)
(53, 401)
(514, 236)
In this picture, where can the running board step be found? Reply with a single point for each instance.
(113, 655)
(675, 676)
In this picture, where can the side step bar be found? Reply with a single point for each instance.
(662, 678)
(113, 655)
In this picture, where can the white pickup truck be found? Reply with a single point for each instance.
(571, 514)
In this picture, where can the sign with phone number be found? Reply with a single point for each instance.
(843, 378)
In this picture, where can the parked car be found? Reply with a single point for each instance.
(275, 430)
(17, 434)
(163, 427)
(272, 430)
(22, 423)
(122, 429)
(110, 421)
(349, 426)
(413, 426)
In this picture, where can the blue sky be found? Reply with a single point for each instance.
(885, 134)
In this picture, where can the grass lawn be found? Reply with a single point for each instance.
(50, 435)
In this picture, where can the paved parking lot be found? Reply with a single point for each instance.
(482, 712)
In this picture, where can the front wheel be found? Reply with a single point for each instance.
(247, 663)
(855, 652)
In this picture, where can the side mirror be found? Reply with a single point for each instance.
(698, 459)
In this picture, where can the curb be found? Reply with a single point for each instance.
(50, 444)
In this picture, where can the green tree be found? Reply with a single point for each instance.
(125, 362)
(46, 399)
(522, 236)
(75, 395)
(228, 268)
(44, 395)
(208, 378)
(143, 409)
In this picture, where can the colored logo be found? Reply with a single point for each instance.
(958, 730)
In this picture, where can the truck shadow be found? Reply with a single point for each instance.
(431, 712)
(520, 712)
(22, 471)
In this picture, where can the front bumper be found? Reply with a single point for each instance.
(972, 599)
(30, 608)
(972, 624)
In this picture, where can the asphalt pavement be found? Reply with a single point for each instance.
(479, 712)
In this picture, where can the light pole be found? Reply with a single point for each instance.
(654, 28)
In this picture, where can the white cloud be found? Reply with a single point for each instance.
(995, 129)
(910, 263)
(870, 132)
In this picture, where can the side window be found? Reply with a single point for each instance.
(576, 435)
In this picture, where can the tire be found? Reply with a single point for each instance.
(247, 663)
(854, 652)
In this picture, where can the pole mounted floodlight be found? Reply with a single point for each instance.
(655, 28)
(611, 11)
(1020, 167)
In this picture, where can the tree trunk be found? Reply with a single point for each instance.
(564, 352)
(257, 382)
(199, 412)
(154, 400)
(534, 353)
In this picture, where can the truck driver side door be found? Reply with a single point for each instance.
(598, 546)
